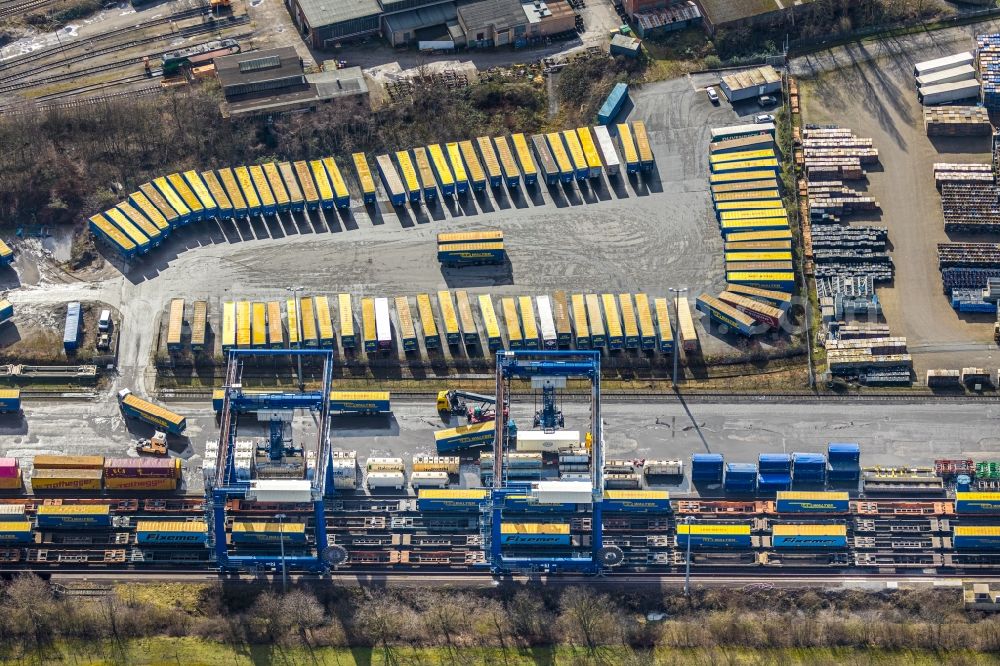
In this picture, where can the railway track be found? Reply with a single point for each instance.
(9, 11)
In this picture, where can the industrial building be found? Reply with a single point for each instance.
(751, 83)
(324, 23)
(731, 13)
(275, 81)
(651, 18)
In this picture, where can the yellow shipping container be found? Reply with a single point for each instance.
(528, 324)
(368, 323)
(66, 479)
(175, 323)
(490, 322)
(580, 318)
(576, 154)
(322, 309)
(642, 142)
(663, 319)
(684, 528)
(465, 317)
(449, 317)
(157, 199)
(68, 462)
(346, 316)
(139, 483)
(629, 151)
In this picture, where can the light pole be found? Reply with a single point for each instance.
(281, 544)
(298, 332)
(687, 561)
(677, 291)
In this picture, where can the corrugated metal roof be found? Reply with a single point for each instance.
(501, 14)
(319, 13)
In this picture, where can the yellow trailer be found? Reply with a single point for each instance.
(268, 205)
(613, 322)
(563, 162)
(245, 180)
(689, 336)
(321, 306)
(407, 331)
(665, 339)
(457, 167)
(308, 317)
(598, 337)
(187, 195)
(741, 176)
(278, 188)
(258, 331)
(409, 173)
(469, 331)
(512, 175)
(346, 321)
(560, 308)
(427, 323)
(309, 192)
(426, 173)
(581, 328)
(510, 320)
(323, 186)
(137, 222)
(296, 202)
(152, 213)
(223, 206)
(489, 156)
(365, 180)
(642, 144)
(475, 169)
(162, 184)
(293, 323)
(175, 324)
(524, 159)
(197, 185)
(243, 324)
(229, 181)
(743, 156)
(490, 323)
(647, 332)
(341, 195)
(576, 155)
(198, 324)
(228, 325)
(275, 333)
(368, 331)
(528, 324)
(168, 212)
(590, 152)
(629, 321)
(629, 152)
(448, 317)
(440, 164)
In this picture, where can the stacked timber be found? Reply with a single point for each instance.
(957, 121)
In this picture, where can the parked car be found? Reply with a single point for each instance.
(712, 95)
(767, 100)
(762, 118)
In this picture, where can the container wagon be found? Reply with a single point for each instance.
(723, 313)
(547, 323)
(168, 212)
(223, 206)
(321, 307)
(560, 309)
(510, 319)
(142, 204)
(457, 167)
(779, 281)
(590, 152)
(407, 331)
(578, 159)
(243, 315)
(427, 184)
(324, 188)
(167, 191)
(629, 152)
(445, 178)
(360, 402)
(187, 196)
(644, 318)
(346, 309)
(258, 329)
(468, 323)
(368, 325)
(68, 516)
(545, 159)
(558, 151)
(476, 173)
(580, 328)
(112, 236)
(630, 323)
(139, 240)
(341, 195)
(275, 331)
(511, 173)
(409, 180)
(613, 322)
(449, 318)
(307, 320)
(464, 438)
(490, 324)
(294, 329)
(155, 415)
(268, 204)
(427, 324)
(16, 532)
(282, 202)
(229, 182)
(598, 337)
(383, 325)
(608, 153)
(528, 324)
(365, 180)
(642, 144)
(309, 192)
(245, 180)
(524, 159)
(228, 325)
(175, 324)
(71, 330)
(490, 161)
(452, 500)
(613, 104)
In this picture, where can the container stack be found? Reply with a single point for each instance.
(988, 66)
(808, 468)
(10, 474)
(244, 454)
(208, 463)
(67, 473)
(774, 472)
(957, 121)
(345, 470)
(844, 465)
(707, 468)
(741, 478)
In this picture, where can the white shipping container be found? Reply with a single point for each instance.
(963, 73)
(948, 92)
(280, 490)
(664, 467)
(560, 492)
(383, 327)
(425, 463)
(340, 453)
(576, 476)
(429, 479)
(546, 322)
(573, 457)
(345, 483)
(385, 465)
(539, 440)
(947, 62)
(619, 466)
(611, 162)
(386, 480)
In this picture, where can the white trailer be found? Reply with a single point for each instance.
(383, 326)
(547, 323)
(382, 480)
(948, 92)
(947, 62)
(429, 479)
(539, 440)
(608, 153)
(384, 465)
(963, 73)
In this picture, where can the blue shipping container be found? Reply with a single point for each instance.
(84, 519)
(725, 541)
(71, 334)
(774, 462)
(810, 541)
(843, 452)
(774, 482)
(983, 503)
(631, 501)
(170, 537)
(10, 401)
(706, 467)
(518, 539)
(16, 532)
(613, 104)
(977, 542)
(357, 405)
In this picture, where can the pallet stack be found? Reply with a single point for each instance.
(957, 121)
(988, 65)
(946, 172)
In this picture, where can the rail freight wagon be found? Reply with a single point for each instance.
(445, 178)
(524, 159)
(409, 180)
(471, 254)
(268, 534)
(559, 153)
(383, 325)
(74, 516)
(576, 155)
(309, 192)
(137, 408)
(550, 170)
(629, 152)
(508, 163)
(612, 322)
(726, 536)
(490, 161)
(224, 207)
(175, 324)
(809, 536)
(171, 532)
(341, 195)
(282, 201)
(470, 333)
(365, 180)
(14, 532)
(590, 152)
(451, 501)
(391, 182)
(791, 501)
(977, 503)
(477, 176)
(613, 104)
(346, 308)
(780, 281)
(268, 204)
(407, 331)
(725, 314)
(427, 183)
(428, 325)
(492, 327)
(457, 167)
(463, 438)
(110, 234)
(636, 501)
(535, 534)
(976, 537)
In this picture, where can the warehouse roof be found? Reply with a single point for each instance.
(333, 82)
(720, 12)
(421, 17)
(259, 66)
(501, 14)
(751, 78)
(329, 12)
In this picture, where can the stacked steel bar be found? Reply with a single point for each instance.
(957, 121)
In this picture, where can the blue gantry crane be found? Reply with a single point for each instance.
(551, 365)
(226, 486)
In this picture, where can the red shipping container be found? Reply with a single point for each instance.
(8, 468)
(131, 468)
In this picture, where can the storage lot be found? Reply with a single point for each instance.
(869, 88)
